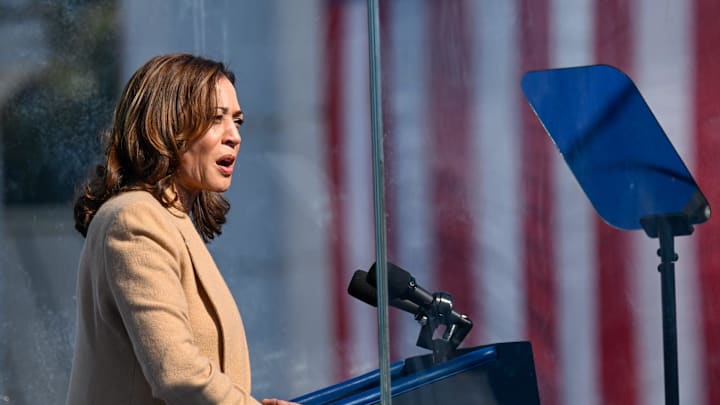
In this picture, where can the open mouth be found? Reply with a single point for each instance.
(226, 164)
(226, 161)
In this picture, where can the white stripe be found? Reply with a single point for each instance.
(409, 135)
(644, 297)
(571, 38)
(664, 56)
(571, 32)
(499, 274)
(357, 156)
(303, 177)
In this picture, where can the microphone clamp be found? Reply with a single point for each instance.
(442, 328)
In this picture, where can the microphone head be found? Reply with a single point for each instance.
(399, 280)
(361, 289)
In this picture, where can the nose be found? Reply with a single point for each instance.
(232, 136)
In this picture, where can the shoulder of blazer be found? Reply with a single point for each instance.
(141, 212)
(129, 199)
(142, 204)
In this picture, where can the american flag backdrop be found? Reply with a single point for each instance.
(480, 205)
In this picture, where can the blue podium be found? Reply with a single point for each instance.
(497, 374)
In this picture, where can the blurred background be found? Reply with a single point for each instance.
(479, 204)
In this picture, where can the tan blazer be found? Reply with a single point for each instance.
(156, 322)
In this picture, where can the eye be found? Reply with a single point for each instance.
(217, 119)
(238, 122)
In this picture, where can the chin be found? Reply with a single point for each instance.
(221, 188)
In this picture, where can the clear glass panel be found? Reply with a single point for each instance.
(482, 206)
(300, 222)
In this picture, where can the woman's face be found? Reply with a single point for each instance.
(208, 163)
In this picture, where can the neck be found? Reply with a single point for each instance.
(185, 198)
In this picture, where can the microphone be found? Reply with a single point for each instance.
(402, 286)
(432, 311)
(365, 292)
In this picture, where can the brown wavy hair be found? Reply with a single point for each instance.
(167, 105)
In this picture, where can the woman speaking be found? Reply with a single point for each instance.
(156, 322)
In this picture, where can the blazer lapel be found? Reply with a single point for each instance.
(220, 296)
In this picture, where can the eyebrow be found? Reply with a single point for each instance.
(225, 111)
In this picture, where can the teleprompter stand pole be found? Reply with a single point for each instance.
(665, 228)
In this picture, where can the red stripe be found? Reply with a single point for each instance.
(448, 106)
(618, 368)
(537, 218)
(335, 169)
(707, 110)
